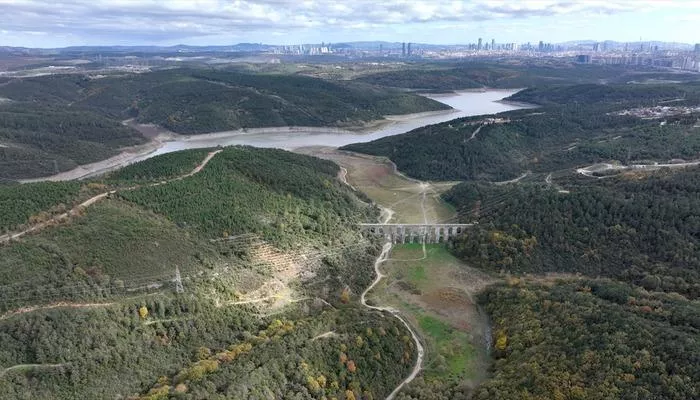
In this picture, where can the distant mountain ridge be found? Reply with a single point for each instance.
(256, 47)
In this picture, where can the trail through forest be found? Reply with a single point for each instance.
(383, 256)
(28, 366)
(76, 210)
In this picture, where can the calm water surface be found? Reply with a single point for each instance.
(464, 103)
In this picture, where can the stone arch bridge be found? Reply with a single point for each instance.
(415, 233)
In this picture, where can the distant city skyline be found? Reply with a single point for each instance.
(31, 23)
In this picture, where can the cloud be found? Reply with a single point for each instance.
(149, 21)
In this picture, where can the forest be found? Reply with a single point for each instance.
(590, 339)
(600, 275)
(448, 76)
(20, 202)
(559, 135)
(38, 140)
(55, 123)
(89, 309)
(284, 199)
(639, 228)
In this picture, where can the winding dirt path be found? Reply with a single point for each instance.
(62, 304)
(383, 256)
(23, 366)
(604, 167)
(77, 209)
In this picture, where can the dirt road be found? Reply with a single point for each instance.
(419, 346)
(75, 210)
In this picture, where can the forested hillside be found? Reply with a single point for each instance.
(54, 123)
(640, 229)
(448, 76)
(601, 271)
(578, 126)
(591, 339)
(43, 139)
(271, 265)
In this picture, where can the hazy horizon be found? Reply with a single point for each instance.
(63, 23)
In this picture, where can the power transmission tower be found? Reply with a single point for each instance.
(178, 281)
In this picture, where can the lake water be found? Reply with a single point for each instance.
(464, 104)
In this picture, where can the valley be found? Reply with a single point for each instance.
(217, 264)
(432, 290)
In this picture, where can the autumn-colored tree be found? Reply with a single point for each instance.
(501, 340)
(312, 384)
(349, 395)
(343, 357)
(143, 312)
(203, 353)
(351, 366)
(345, 295)
(358, 341)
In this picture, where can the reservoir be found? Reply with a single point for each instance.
(468, 103)
(464, 104)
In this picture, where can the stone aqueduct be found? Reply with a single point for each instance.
(415, 233)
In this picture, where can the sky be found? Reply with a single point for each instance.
(60, 23)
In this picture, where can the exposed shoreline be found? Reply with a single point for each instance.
(133, 154)
(164, 141)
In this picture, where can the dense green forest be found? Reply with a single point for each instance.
(560, 135)
(124, 331)
(640, 229)
(20, 202)
(583, 339)
(55, 123)
(605, 303)
(449, 76)
(286, 199)
(591, 339)
(42, 139)
(303, 197)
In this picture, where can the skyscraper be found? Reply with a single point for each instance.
(493, 44)
(408, 50)
(478, 47)
(697, 48)
(403, 49)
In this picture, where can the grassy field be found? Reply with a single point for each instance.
(411, 201)
(434, 290)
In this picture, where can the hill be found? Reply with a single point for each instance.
(637, 227)
(576, 126)
(600, 267)
(449, 76)
(54, 123)
(271, 264)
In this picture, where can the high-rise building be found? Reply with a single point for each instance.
(478, 46)
(493, 44)
(697, 48)
(403, 49)
(408, 50)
